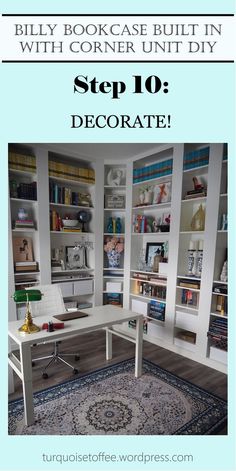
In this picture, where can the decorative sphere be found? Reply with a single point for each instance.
(83, 216)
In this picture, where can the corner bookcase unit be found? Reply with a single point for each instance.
(71, 202)
(114, 233)
(151, 226)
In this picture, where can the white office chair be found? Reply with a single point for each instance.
(51, 303)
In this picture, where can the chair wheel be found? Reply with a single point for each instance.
(33, 363)
(77, 357)
(75, 371)
(45, 376)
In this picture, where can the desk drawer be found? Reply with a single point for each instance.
(83, 287)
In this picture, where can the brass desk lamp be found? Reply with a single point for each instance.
(27, 296)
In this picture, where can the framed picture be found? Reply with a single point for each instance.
(153, 248)
(22, 249)
(75, 257)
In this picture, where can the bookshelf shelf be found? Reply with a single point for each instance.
(22, 200)
(153, 180)
(186, 306)
(197, 170)
(22, 173)
(71, 206)
(194, 200)
(72, 232)
(27, 273)
(25, 229)
(71, 181)
(148, 298)
(150, 207)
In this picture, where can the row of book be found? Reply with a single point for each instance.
(26, 266)
(190, 283)
(22, 190)
(155, 278)
(143, 224)
(22, 162)
(196, 158)
(189, 298)
(218, 333)
(64, 195)
(70, 172)
(24, 224)
(159, 169)
(147, 289)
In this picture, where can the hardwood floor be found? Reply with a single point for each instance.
(91, 348)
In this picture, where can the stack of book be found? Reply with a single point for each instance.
(27, 191)
(22, 162)
(195, 284)
(156, 310)
(156, 170)
(24, 224)
(218, 333)
(25, 266)
(195, 193)
(61, 170)
(196, 158)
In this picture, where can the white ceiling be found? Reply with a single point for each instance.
(109, 151)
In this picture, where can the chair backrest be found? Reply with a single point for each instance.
(51, 303)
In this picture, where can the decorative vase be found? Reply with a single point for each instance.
(22, 214)
(113, 259)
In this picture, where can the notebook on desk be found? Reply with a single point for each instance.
(69, 316)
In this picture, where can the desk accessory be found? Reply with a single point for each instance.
(27, 296)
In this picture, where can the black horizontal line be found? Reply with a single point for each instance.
(117, 61)
(119, 14)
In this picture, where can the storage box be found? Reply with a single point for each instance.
(218, 355)
(163, 268)
(114, 201)
(155, 330)
(183, 344)
(114, 287)
(66, 289)
(186, 321)
(83, 287)
(139, 306)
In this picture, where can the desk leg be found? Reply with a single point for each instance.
(26, 369)
(139, 347)
(108, 345)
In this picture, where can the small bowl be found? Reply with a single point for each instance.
(69, 222)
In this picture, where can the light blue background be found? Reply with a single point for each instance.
(105, 6)
(36, 103)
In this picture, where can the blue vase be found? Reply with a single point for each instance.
(113, 259)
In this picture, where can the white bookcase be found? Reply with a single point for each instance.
(142, 222)
(114, 229)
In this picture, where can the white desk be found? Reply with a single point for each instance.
(98, 318)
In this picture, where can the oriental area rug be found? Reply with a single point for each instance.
(111, 401)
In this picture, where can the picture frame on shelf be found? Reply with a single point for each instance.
(162, 192)
(153, 248)
(22, 249)
(74, 257)
(115, 177)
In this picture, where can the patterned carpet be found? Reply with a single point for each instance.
(111, 401)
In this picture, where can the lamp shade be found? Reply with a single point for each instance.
(23, 295)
